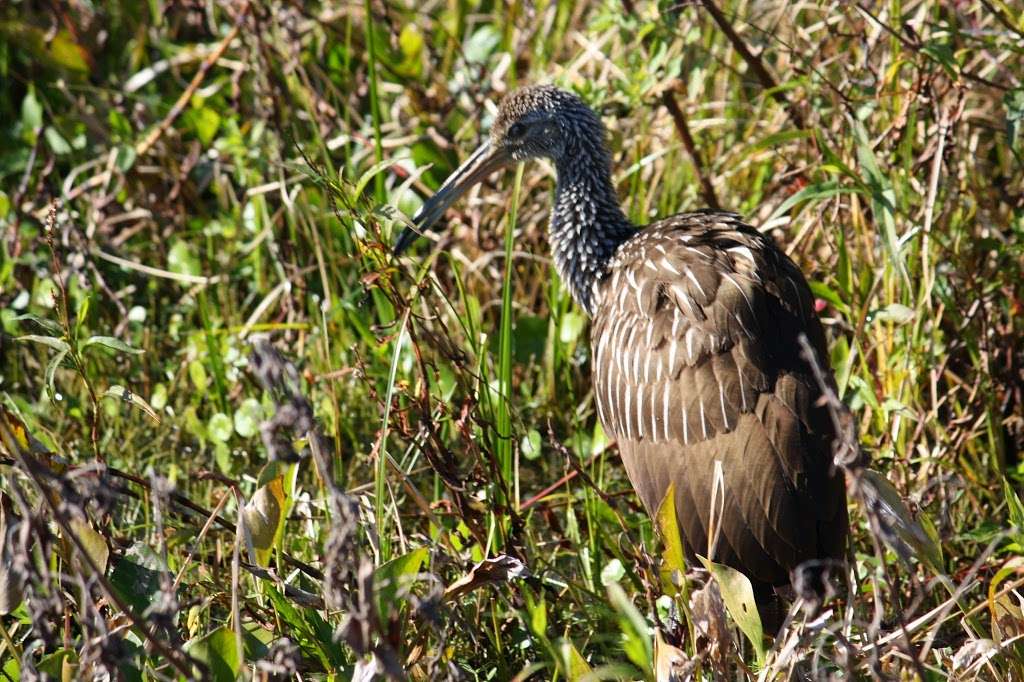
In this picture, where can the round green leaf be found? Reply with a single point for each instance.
(219, 427)
(247, 418)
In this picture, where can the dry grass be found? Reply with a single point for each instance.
(356, 464)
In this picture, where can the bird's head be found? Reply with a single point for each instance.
(532, 122)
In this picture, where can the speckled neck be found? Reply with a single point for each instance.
(587, 223)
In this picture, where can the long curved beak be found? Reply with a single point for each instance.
(482, 163)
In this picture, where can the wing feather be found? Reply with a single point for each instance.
(697, 362)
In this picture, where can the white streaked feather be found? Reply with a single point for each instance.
(628, 411)
(721, 402)
(745, 252)
(703, 420)
(743, 394)
(750, 306)
(667, 399)
(690, 334)
(693, 278)
(640, 412)
(686, 427)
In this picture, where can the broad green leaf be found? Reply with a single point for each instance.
(49, 325)
(219, 651)
(205, 122)
(410, 41)
(264, 519)
(883, 198)
(530, 446)
(57, 344)
(738, 595)
(111, 342)
(51, 372)
(56, 141)
(12, 586)
(136, 576)
(220, 427)
(392, 575)
(373, 170)
(899, 518)
(538, 611)
(197, 375)
(674, 556)
(181, 260)
(571, 327)
(94, 543)
(31, 113)
(894, 312)
(574, 666)
(481, 44)
(129, 396)
(811, 193)
(636, 634)
(248, 417)
(612, 572)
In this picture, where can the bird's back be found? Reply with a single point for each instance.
(697, 361)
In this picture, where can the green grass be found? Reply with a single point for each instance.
(452, 397)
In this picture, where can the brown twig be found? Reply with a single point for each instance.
(679, 118)
(179, 106)
(30, 468)
(754, 63)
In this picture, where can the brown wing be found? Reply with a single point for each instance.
(697, 361)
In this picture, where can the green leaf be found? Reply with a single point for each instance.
(894, 312)
(636, 634)
(481, 44)
(908, 531)
(530, 445)
(51, 372)
(574, 666)
(131, 397)
(738, 595)
(181, 260)
(393, 575)
(264, 519)
(883, 198)
(12, 584)
(811, 193)
(1014, 506)
(248, 417)
(219, 651)
(94, 543)
(571, 327)
(111, 342)
(373, 170)
(125, 157)
(136, 576)
(205, 122)
(220, 427)
(538, 611)
(56, 141)
(31, 113)
(57, 344)
(197, 375)
(612, 572)
(674, 568)
(49, 325)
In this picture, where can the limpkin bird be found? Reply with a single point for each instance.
(694, 336)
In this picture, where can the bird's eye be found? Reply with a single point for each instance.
(517, 130)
